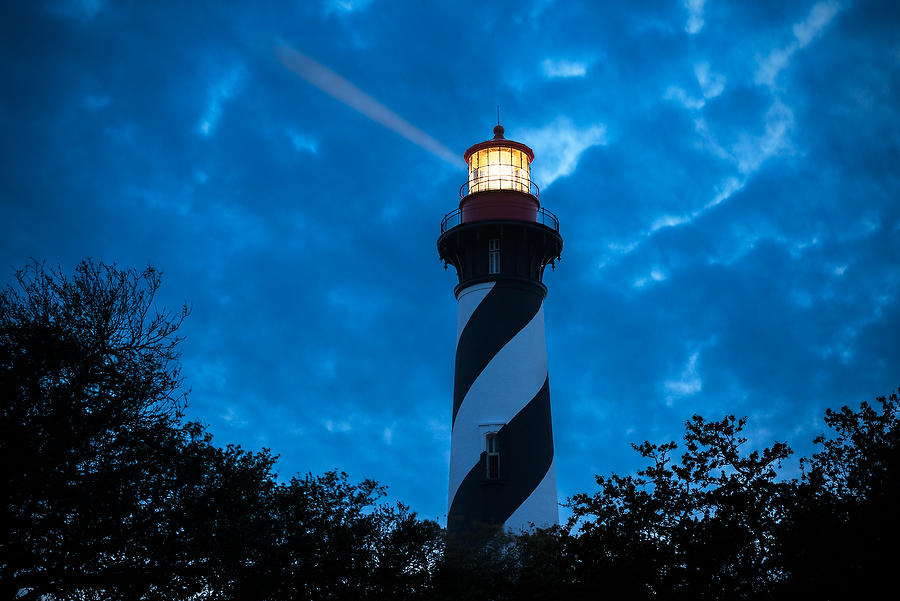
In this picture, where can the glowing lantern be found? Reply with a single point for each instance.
(499, 164)
(499, 184)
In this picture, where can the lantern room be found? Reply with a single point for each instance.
(499, 185)
(499, 164)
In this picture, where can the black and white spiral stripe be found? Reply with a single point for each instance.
(501, 384)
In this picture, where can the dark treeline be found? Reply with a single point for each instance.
(111, 494)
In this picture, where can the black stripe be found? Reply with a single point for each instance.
(526, 452)
(505, 310)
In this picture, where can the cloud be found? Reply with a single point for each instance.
(695, 15)
(333, 426)
(821, 14)
(725, 190)
(558, 145)
(302, 142)
(234, 418)
(747, 154)
(343, 7)
(751, 152)
(711, 83)
(656, 275)
(689, 383)
(563, 68)
(819, 17)
(709, 141)
(219, 92)
(686, 100)
(668, 221)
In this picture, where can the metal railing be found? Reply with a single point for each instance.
(542, 216)
(488, 183)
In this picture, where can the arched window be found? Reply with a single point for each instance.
(492, 446)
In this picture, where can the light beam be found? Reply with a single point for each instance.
(339, 88)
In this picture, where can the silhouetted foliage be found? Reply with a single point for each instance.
(719, 523)
(91, 389)
(111, 495)
(702, 527)
(842, 532)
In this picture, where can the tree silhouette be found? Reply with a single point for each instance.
(719, 522)
(91, 385)
(111, 496)
(702, 527)
(841, 534)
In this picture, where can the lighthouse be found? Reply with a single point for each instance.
(500, 239)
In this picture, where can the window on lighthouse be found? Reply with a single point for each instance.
(499, 168)
(492, 441)
(494, 255)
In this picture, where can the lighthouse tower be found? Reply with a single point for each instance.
(500, 239)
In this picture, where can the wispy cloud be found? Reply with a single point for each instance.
(747, 154)
(821, 14)
(221, 91)
(695, 15)
(563, 68)
(345, 6)
(687, 384)
(722, 193)
(683, 98)
(302, 142)
(559, 145)
(234, 417)
(656, 275)
(750, 152)
(668, 221)
(711, 85)
(337, 426)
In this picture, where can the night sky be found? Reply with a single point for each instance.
(725, 175)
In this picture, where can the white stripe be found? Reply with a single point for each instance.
(511, 379)
(469, 299)
(540, 508)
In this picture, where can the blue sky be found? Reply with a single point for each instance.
(725, 175)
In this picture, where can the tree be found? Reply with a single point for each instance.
(704, 527)
(110, 495)
(717, 521)
(841, 534)
(721, 523)
(88, 373)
